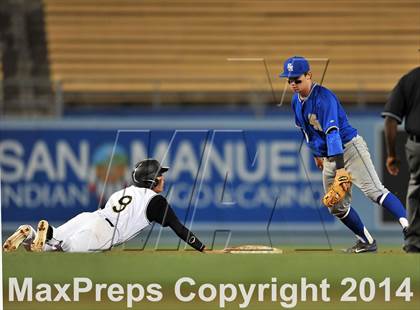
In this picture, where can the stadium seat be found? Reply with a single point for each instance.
(184, 46)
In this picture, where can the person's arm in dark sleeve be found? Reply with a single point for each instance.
(392, 161)
(396, 105)
(394, 113)
(159, 211)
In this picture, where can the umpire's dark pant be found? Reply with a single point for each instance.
(413, 193)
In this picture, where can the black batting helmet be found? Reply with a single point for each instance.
(146, 172)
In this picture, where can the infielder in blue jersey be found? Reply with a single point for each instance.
(337, 149)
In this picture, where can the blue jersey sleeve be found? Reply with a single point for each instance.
(328, 111)
(334, 144)
(328, 117)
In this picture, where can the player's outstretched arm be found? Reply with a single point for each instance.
(184, 233)
(161, 212)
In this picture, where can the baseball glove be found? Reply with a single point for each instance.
(338, 189)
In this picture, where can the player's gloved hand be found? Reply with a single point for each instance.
(338, 189)
(343, 178)
(393, 165)
(319, 162)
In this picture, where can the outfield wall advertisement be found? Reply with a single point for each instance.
(253, 174)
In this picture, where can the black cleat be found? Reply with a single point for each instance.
(405, 232)
(408, 248)
(361, 247)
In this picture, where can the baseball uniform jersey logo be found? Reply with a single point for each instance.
(314, 122)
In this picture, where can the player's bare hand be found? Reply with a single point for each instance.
(393, 165)
(319, 162)
(346, 186)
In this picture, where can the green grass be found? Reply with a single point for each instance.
(166, 267)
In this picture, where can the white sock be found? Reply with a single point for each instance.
(403, 222)
(367, 235)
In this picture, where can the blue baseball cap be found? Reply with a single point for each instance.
(295, 66)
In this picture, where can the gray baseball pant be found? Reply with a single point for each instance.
(358, 163)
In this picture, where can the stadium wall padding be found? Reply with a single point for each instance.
(224, 170)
